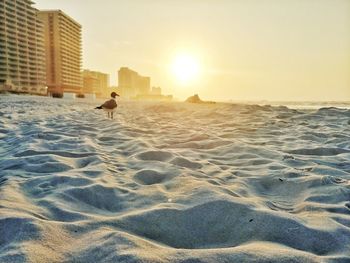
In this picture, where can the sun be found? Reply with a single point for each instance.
(185, 68)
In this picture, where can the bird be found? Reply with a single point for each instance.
(110, 105)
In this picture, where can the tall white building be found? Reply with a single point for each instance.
(132, 84)
(96, 83)
(63, 52)
(22, 53)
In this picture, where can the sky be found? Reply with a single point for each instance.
(276, 50)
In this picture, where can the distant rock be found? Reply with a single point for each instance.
(195, 99)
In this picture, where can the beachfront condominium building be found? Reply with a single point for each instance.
(157, 91)
(22, 57)
(131, 84)
(95, 82)
(62, 37)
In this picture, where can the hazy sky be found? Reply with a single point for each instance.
(248, 49)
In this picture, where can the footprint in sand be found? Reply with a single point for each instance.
(161, 156)
(182, 162)
(149, 177)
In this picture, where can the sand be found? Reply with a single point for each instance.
(172, 182)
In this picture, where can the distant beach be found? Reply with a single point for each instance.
(173, 182)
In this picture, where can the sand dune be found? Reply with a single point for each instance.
(173, 182)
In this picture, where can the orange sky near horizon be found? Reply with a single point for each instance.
(246, 49)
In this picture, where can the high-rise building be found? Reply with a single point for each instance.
(95, 82)
(131, 84)
(127, 82)
(144, 85)
(22, 54)
(156, 91)
(63, 52)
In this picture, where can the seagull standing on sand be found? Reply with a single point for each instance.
(110, 105)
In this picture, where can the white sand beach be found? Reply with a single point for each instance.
(172, 182)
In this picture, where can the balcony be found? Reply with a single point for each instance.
(23, 53)
(31, 12)
(11, 33)
(23, 56)
(10, 17)
(24, 77)
(23, 45)
(21, 10)
(9, 2)
(23, 80)
(10, 8)
(21, 24)
(11, 42)
(40, 50)
(30, 23)
(31, 42)
(22, 60)
(11, 54)
(13, 61)
(11, 48)
(30, 29)
(21, 37)
(13, 73)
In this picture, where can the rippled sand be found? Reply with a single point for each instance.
(173, 182)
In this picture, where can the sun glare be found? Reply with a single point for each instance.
(185, 68)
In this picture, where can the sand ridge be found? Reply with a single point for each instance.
(173, 182)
